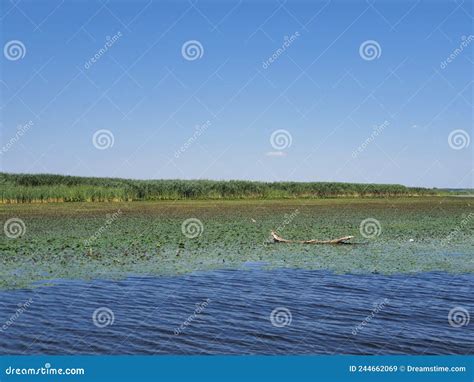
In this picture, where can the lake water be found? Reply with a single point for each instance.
(230, 312)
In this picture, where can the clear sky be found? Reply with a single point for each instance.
(354, 91)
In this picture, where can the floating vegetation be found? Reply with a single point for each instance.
(93, 240)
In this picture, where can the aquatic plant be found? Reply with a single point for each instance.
(27, 188)
(146, 238)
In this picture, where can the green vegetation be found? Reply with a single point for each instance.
(24, 188)
(115, 240)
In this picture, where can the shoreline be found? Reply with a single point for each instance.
(345, 198)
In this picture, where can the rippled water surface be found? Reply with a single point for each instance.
(228, 312)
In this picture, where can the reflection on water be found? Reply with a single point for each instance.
(280, 311)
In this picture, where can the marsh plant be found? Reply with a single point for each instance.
(25, 188)
(146, 241)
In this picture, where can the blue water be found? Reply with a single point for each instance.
(160, 315)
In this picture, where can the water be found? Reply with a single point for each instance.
(228, 312)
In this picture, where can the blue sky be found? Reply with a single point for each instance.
(396, 112)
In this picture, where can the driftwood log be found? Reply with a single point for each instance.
(341, 240)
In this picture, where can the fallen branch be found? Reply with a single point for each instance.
(341, 240)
